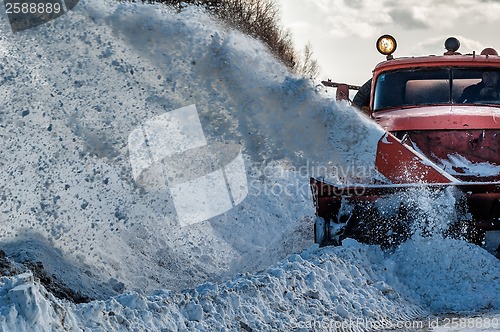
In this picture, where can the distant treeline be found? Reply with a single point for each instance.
(260, 19)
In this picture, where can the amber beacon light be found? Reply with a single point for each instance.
(386, 45)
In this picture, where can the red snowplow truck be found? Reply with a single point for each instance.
(441, 117)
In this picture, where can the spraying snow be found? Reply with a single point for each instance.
(67, 118)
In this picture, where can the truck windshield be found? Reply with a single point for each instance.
(437, 86)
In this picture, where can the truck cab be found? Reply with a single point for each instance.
(446, 107)
(441, 121)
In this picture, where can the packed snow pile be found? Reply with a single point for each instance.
(85, 99)
(356, 287)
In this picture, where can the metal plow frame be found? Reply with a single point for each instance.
(477, 203)
(351, 211)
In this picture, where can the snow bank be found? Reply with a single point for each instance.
(313, 289)
(448, 275)
(355, 287)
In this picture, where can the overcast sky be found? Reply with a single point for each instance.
(343, 32)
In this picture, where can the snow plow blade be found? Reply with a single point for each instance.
(355, 211)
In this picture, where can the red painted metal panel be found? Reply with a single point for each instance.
(475, 145)
(468, 61)
(439, 117)
(401, 164)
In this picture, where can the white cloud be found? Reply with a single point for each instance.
(343, 32)
(445, 14)
(436, 46)
(343, 19)
(368, 18)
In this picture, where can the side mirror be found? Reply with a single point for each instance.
(342, 89)
(342, 92)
